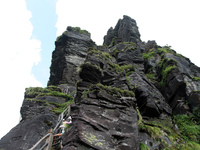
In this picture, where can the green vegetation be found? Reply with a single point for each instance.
(188, 127)
(112, 42)
(196, 78)
(128, 68)
(148, 55)
(90, 72)
(100, 54)
(118, 69)
(131, 43)
(165, 72)
(164, 50)
(113, 90)
(61, 107)
(166, 66)
(154, 132)
(184, 146)
(150, 76)
(157, 129)
(107, 56)
(34, 92)
(167, 49)
(144, 147)
(73, 29)
(130, 46)
(168, 69)
(115, 52)
(139, 116)
(78, 30)
(85, 93)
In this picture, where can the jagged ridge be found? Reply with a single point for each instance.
(128, 94)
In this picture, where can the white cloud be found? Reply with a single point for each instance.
(169, 22)
(19, 53)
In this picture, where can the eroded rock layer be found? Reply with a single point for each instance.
(70, 52)
(128, 95)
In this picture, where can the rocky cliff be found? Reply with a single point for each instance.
(71, 50)
(125, 95)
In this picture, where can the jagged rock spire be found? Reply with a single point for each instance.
(126, 30)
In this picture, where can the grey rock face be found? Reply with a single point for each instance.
(126, 30)
(102, 123)
(108, 120)
(179, 85)
(71, 50)
(149, 99)
(126, 93)
(37, 119)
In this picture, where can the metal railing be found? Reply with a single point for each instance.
(49, 136)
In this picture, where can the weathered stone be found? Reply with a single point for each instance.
(71, 50)
(126, 29)
(98, 126)
(117, 106)
(37, 119)
(150, 101)
(150, 45)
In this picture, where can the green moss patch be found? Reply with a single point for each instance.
(148, 55)
(61, 107)
(118, 69)
(196, 78)
(129, 46)
(184, 146)
(150, 76)
(112, 42)
(100, 54)
(166, 66)
(34, 92)
(153, 131)
(113, 90)
(144, 147)
(78, 30)
(188, 127)
(91, 73)
(167, 49)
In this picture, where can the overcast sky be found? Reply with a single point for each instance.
(29, 28)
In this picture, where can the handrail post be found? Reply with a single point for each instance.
(49, 140)
(50, 135)
(39, 141)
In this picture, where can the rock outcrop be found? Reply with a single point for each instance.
(128, 95)
(39, 114)
(70, 52)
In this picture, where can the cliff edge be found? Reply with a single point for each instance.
(125, 95)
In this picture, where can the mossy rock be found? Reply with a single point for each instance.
(34, 92)
(77, 30)
(114, 90)
(90, 73)
(144, 147)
